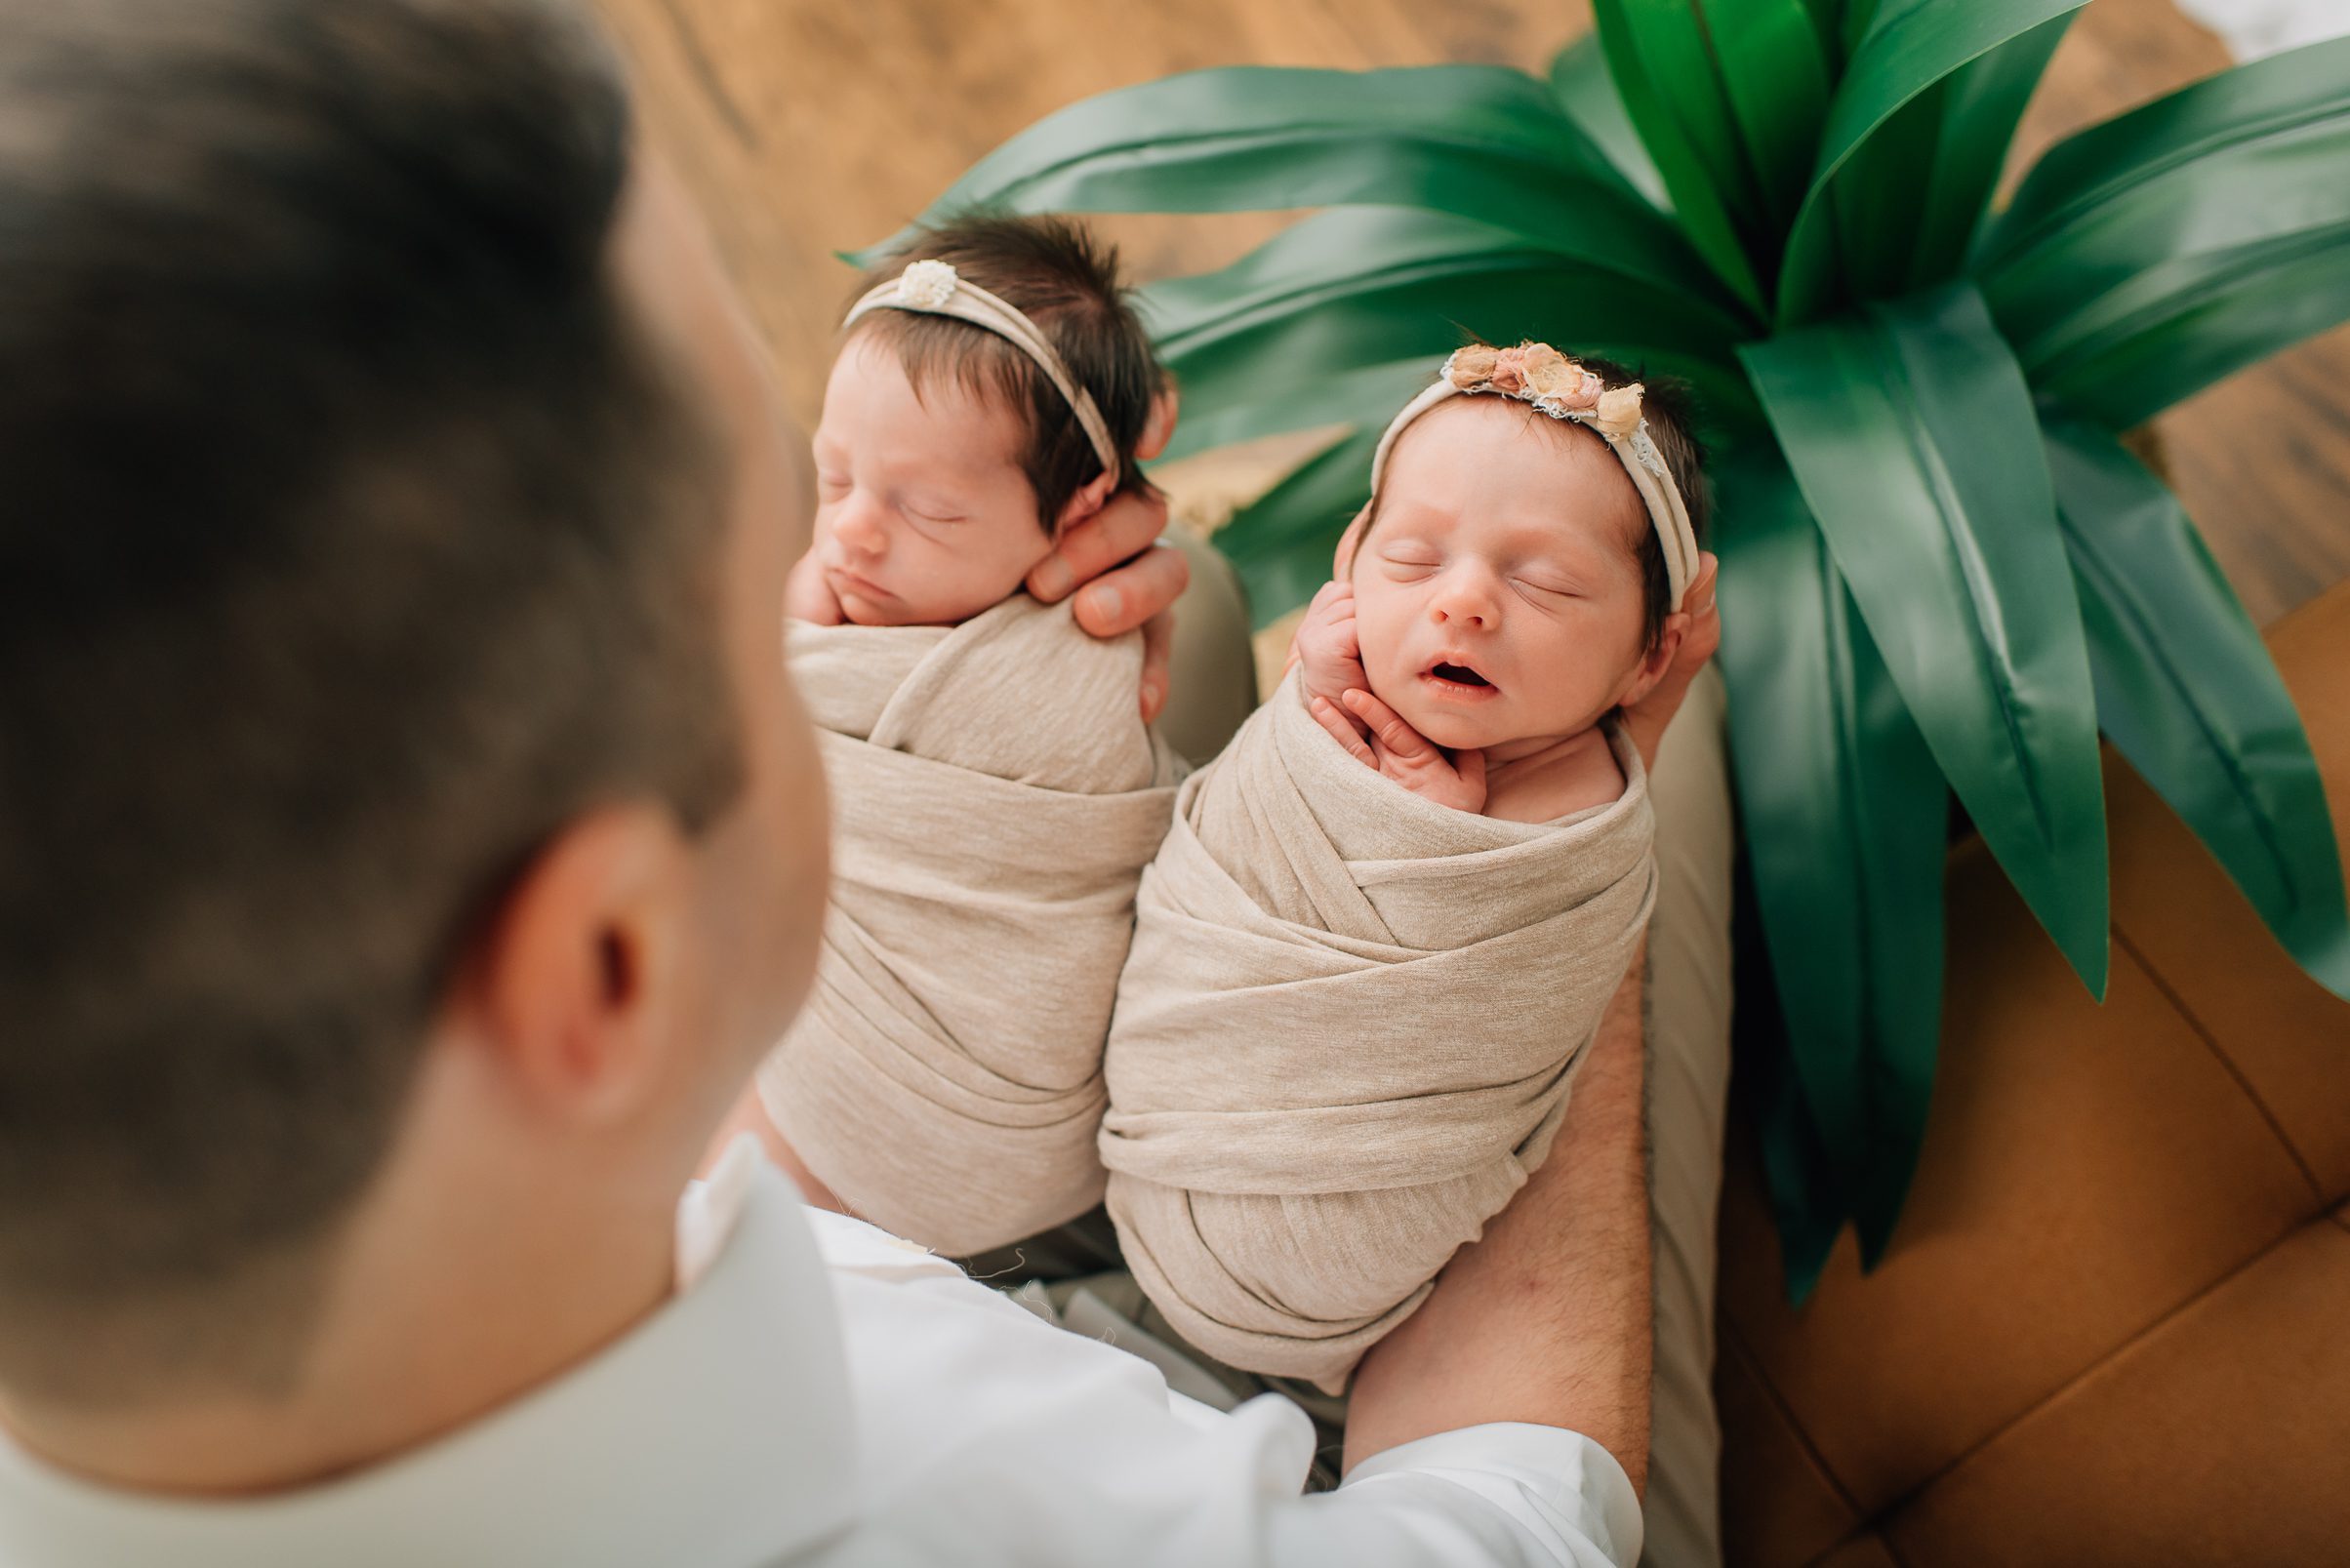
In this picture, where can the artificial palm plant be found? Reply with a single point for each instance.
(1941, 572)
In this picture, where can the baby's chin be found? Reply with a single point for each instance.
(1450, 726)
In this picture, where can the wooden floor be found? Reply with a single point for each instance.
(807, 126)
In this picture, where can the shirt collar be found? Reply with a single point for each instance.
(715, 1432)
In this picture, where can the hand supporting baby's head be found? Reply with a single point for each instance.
(948, 461)
(1510, 583)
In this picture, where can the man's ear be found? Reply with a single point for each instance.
(1651, 669)
(1160, 428)
(574, 979)
(1342, 561)
(1089, 499)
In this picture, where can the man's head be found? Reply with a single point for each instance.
(947, 462)
(392, 733)
(1508, 582)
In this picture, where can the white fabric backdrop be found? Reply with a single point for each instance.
(2251, 28)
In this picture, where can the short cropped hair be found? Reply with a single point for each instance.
(1671, 410)
(355, 537)
(1062, 277)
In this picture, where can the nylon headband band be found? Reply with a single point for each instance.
(1570, 395)
(932, 288)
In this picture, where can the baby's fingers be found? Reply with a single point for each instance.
(1329, 718)
(1403, 742)
(1470, 763)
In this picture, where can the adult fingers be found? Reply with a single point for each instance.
(1128, 597)
(1159, 646)
(1704, 635)
(1329, 718)
(1128, 523)
(1403, 742)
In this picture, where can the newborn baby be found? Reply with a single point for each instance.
(1352, 1012)
(994, 788)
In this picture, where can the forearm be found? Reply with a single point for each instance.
(1547, 1318)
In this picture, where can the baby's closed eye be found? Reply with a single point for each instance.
(1548, 585)
(1407, 561)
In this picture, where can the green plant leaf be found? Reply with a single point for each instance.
(1223, 411)
(2187, 692)
(1979, 106)
(1587, 94)
(1912, 435)
(2148, 257)
(1666, 39)
(1775, 76)
(1845, 820)
(1909, 47)
(1692, 172)
(1360, 286)
(1480, 142)
(1281, 543)
(1909, 200)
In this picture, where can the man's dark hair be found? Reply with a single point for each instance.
(354, 538)
(1064, 279)
(1671, 411)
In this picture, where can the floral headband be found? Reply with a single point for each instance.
(932, 288)
(1539, 375)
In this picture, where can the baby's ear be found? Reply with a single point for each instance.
(1659, 658)
(1342, 561)
(1160, 428)
(1089, 499)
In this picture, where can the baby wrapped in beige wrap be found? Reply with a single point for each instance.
(1373, 950)
(996, 795)
(1345, 1035)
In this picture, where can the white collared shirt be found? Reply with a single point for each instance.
(823, 1393)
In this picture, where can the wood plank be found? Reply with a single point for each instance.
(809, 126)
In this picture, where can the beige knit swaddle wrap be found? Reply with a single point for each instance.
(1345, 1035)
(996, 795)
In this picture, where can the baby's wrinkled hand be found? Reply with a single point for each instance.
(1328, 647)
(807, 596)
(1402, 752)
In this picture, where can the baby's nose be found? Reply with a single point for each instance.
(1463, 607)
(859, 527)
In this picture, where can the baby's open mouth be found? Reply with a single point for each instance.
(1448, 673)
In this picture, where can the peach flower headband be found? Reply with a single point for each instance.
(1538, 374)
(932, 288)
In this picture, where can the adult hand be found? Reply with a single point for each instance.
(1646, 719)
(1402, 753)
(1127, 578)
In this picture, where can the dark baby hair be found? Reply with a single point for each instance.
(1065, 281)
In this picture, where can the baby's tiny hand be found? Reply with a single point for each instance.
(1328, 647)
(1402, 753)
(807, 596)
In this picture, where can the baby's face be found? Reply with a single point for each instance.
(1497, 596)
(923, 515)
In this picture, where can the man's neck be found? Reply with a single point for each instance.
(416, 1342)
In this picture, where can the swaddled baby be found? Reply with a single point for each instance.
(1357, 993)
(994, 788)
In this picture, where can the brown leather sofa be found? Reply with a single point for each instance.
(2115, 1324)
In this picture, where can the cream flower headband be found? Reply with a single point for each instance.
(932, 288)
(1539, 375)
